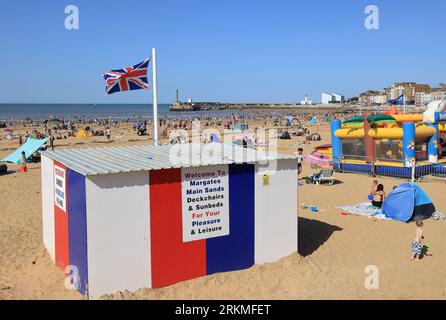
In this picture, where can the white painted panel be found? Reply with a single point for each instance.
(48, 206)
(118, 233)
(275, 211)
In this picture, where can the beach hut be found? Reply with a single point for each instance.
(124, 218)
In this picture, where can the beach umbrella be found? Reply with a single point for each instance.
(325, 149)
(318, 158)
(323, 146)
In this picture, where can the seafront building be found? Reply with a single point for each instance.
(328, 98)
(306, 101)
(373, 97)
(414, 93)
(408, 89)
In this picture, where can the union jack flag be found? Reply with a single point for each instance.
(130, 78)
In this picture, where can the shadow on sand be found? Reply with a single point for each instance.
(312, 234)
(7, 173)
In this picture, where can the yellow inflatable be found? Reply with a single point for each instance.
(353, 133)
(397, 133)
(408, 117)
(421, 131)
(82, 134)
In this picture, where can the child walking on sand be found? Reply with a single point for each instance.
(417, 246)
(23, 167)
(300, 160)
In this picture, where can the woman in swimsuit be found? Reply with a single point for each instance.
(378, 196)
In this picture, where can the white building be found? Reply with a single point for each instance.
(338, 98)
(333, 97)
(306, 101)
(438, 95)
(423, 98)
(326, 98)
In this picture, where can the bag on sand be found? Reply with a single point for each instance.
(438, 216)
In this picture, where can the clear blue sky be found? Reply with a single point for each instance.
(218, 50)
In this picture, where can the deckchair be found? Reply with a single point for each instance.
(325, 175)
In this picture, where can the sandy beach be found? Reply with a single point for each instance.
(334, 249)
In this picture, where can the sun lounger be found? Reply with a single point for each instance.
(322, 176)
(325, 176)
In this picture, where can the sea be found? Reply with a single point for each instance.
(40, 112)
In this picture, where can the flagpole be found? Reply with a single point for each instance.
(155, 98)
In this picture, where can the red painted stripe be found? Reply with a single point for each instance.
(172, 260)
(61, 229)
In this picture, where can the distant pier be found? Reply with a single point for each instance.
(205, 106)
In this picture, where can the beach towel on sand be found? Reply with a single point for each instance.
(364, 209)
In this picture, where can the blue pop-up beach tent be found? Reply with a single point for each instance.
(408, 202)
(30, 147)
(214, 138)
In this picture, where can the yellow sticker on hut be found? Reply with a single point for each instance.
(266, 179)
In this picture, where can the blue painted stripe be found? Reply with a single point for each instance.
(77, 228)
(402, 172)
(354, 167)
(236, 250)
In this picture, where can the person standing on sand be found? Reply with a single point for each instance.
(417, 246)
(108, 133)
(300, 160)
(51, 140)
(23, 166)
(20, 140)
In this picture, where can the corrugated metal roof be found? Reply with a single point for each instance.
(105, 160)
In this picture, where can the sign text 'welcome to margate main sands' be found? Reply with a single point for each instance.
(205, 200)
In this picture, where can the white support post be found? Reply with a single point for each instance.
(155, 99)
(413, 171)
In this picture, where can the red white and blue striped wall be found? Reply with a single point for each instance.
(124, 231)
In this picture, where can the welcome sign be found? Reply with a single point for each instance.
(205, 200)
(59, 187)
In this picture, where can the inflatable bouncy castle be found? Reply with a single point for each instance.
(391, 144)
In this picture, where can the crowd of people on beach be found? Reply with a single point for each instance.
(301, 125)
